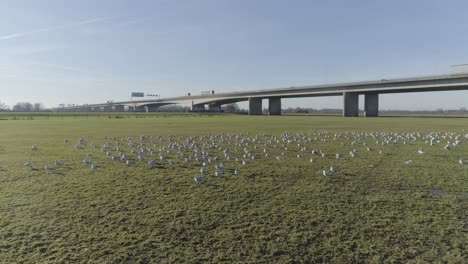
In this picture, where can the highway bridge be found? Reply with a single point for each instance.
(349, 91)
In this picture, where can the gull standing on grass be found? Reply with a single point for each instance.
(198, 179)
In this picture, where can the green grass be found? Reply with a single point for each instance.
(374, 209)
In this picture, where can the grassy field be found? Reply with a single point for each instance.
(374, 209)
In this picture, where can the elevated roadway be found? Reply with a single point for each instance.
(349, 91)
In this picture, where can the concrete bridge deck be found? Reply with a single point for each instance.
(349, 91)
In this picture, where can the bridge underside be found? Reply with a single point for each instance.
(349, 91)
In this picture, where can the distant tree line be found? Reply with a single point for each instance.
(173, 108)
(229, 108)
(233, 108)
(23, 107)
(302, 110)
(440, 111)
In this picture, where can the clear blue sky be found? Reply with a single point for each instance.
(92, 51)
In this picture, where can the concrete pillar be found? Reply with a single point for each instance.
(350, 104)
(214, 108)
(255, 106)
(119, 108)
(371, 105)
(274, 106)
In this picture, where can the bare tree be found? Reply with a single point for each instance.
(38, 107)
(231, 108)
(3, 107)
(23, 107)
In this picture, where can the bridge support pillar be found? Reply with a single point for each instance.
(106, 108)
(274, 106)
(350, 104)
(255, 106)
(371, 105)
(214, 108)
(119, 108)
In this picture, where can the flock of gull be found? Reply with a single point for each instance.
(242, 150)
